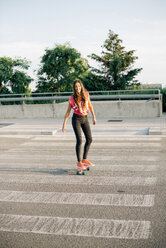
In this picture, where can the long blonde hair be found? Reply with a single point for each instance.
(77, 97)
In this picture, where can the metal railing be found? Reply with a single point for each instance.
(145, 94)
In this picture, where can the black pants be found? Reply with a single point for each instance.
(81, 122)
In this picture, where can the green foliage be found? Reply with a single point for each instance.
(116, 65)
(6, 71)
(93, 82)
(60, 66)
(20, 82)
(4, 90)
(163, 92)
(13, 79)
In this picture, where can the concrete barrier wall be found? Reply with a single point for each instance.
(103, 109)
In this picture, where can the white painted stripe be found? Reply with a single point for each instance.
(78, 198)
(121, 133)
(102, 144)
(104, 228)
(127, 167)
(111, 136)
(126, 145)
(100, 158)
(15, 166)
(122, 157)
(16, 136)
(103, 150)
(98, 137)
(85, 180)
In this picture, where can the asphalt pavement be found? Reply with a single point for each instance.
(118, 203)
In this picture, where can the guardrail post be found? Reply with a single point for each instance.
(53, 107)
(160, 105)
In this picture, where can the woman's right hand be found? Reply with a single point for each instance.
(64, 129)
(66, 117)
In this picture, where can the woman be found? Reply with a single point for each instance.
(81, 104)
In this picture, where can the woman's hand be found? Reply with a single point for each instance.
(94, 121)
(66, 117)
(64, 129)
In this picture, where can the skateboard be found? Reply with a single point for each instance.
(82, 171)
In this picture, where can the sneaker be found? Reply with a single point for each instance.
(81, 166)
(87, 163)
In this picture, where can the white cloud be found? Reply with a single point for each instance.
(22, 49)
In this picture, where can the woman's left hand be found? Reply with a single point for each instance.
(94, 121)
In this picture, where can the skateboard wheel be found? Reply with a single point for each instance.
(88, 169)
(81, 172)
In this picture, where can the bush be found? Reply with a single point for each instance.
(163, 91)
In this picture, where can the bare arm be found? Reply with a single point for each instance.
(66, 117)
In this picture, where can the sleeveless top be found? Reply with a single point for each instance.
(75, 107)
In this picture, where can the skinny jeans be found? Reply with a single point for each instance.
(80, 122)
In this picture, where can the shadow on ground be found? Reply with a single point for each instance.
(57, 171)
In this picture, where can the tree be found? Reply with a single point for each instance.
(13, 79)
(93, 82)
(60, 66)
(20, 82)
(116, 65)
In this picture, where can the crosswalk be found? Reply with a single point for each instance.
(76, 226)
(78, 198)
(41, 170)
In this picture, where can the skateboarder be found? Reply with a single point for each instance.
(81, 104)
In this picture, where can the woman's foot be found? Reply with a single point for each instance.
(85, 162)
(81, 166)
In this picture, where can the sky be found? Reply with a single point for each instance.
(28, 27)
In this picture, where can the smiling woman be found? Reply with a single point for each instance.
(81, 104)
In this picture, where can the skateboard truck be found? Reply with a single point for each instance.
(81, 171)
